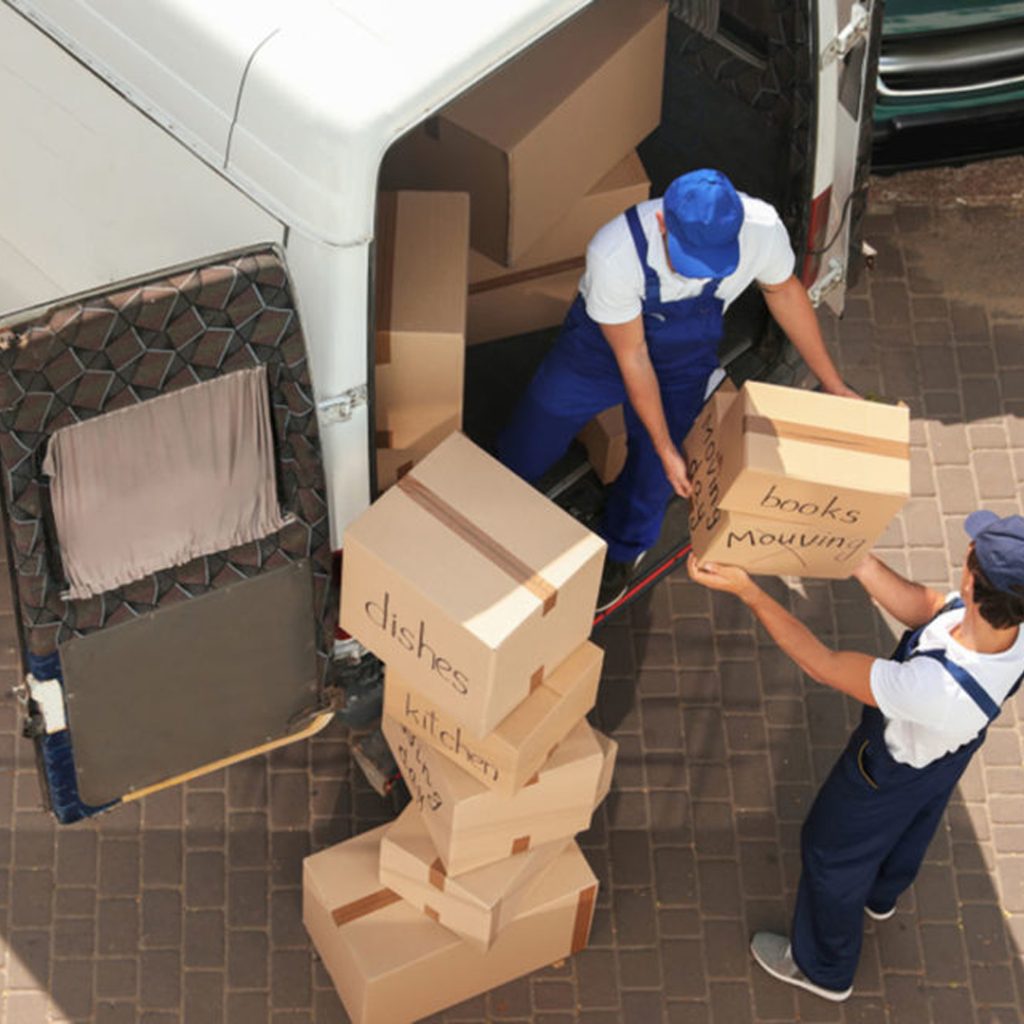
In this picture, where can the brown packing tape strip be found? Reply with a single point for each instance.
(520, 845)
(548, 270)
(438, 876)
(846, 439)
(349, 912)
(485, 545)
(431, 913)
(387, 215)
(584, 917)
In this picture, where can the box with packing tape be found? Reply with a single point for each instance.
(530, 140)
(393, 964)
(476, 905)
(795, 482)
(422, 269)
(506, 758)
(539, 291)
(472, 826)
(469, 583)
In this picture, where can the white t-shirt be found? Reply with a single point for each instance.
(928, 713)
(613, 282)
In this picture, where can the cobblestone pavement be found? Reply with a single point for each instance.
(186, 905)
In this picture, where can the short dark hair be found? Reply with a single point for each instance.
(1001, 609)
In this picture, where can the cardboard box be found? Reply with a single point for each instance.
(506, 758)
(625, 185)
(422, 271)
(477, 904)
(795, 482)
(392, 964)
(604, 437)
(469, 583)
(530, 140)
(394, 463)
(472, 826)
(519, 302)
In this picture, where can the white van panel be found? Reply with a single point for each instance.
(203, 47)
(328, 93)
(346, 457)
(332, 291)
(94, 192)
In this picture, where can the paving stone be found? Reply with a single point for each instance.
(161, 918)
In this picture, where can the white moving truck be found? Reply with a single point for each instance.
(145, 142)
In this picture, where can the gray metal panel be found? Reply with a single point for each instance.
(190, 683)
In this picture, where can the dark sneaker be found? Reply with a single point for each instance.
(615, 581)
(773, 953)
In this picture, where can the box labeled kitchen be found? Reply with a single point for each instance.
(510, 755)
(469, 583)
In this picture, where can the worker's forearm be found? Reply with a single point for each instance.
(841, 670)
(645, 396)
(911, 603)
(793, 312)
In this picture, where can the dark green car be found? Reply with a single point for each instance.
(950, 82)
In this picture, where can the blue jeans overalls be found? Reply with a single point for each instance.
(580, 377)
(868, 830)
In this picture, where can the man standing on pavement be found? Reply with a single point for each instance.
(927, 709)
(644, 331)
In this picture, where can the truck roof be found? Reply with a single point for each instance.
(295, 101)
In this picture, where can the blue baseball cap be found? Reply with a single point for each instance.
(703, 215)
(999, 546)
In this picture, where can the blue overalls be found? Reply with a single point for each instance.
(868, 830)
(580, 377)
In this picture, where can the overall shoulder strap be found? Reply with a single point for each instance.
(652, 285)
(971, 686)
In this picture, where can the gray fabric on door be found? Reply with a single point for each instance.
(157, 484)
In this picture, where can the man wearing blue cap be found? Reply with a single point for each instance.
(927, 709)
(644, 331)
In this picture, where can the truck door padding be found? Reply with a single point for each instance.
(103, 352)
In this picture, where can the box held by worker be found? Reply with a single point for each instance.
(796, 482)
(393, 964)
(472, 826)
(510, 755)
(473, 586)
(583, 96)
(476, 905)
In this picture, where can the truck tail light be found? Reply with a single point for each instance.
(816, 239)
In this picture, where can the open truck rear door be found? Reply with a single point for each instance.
(848, 34)
(166, 522)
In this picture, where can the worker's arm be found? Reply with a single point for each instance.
(846, 671)
(911, 603)
(630, 347)
(792, 310)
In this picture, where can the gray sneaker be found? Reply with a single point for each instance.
(880, 915)
(775, 955)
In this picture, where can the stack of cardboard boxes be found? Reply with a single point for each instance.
(478, 594)
(792, 482)
(545, 151)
